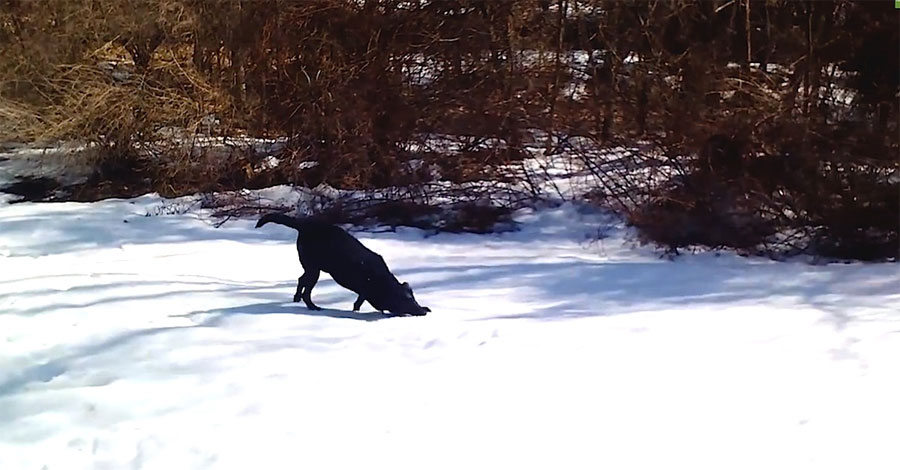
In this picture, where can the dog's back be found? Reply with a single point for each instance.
(333, 250)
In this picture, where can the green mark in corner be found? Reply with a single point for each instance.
(897, 4)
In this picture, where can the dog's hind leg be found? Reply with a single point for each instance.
(358, 303)
(308, 280)
(299, 294)
(305, 285)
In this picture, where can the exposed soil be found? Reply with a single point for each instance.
(33, 188)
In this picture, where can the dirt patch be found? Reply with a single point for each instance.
(33, 188)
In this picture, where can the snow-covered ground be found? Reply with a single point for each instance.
(159, 342)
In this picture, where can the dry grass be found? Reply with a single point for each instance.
(790, 83)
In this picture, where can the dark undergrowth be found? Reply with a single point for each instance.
(765, 127)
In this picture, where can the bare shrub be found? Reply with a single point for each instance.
(772, 124)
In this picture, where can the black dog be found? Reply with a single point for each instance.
(326, 247)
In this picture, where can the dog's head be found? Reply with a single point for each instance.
(405, 302)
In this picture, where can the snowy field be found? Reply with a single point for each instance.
(159, 342)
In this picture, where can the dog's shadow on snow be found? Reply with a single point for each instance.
(48, 371)
(569, 289)
(215, 317)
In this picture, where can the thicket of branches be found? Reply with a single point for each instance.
(768, 126)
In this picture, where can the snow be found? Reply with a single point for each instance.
(157, 341)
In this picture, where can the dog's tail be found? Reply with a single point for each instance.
(281, 219)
